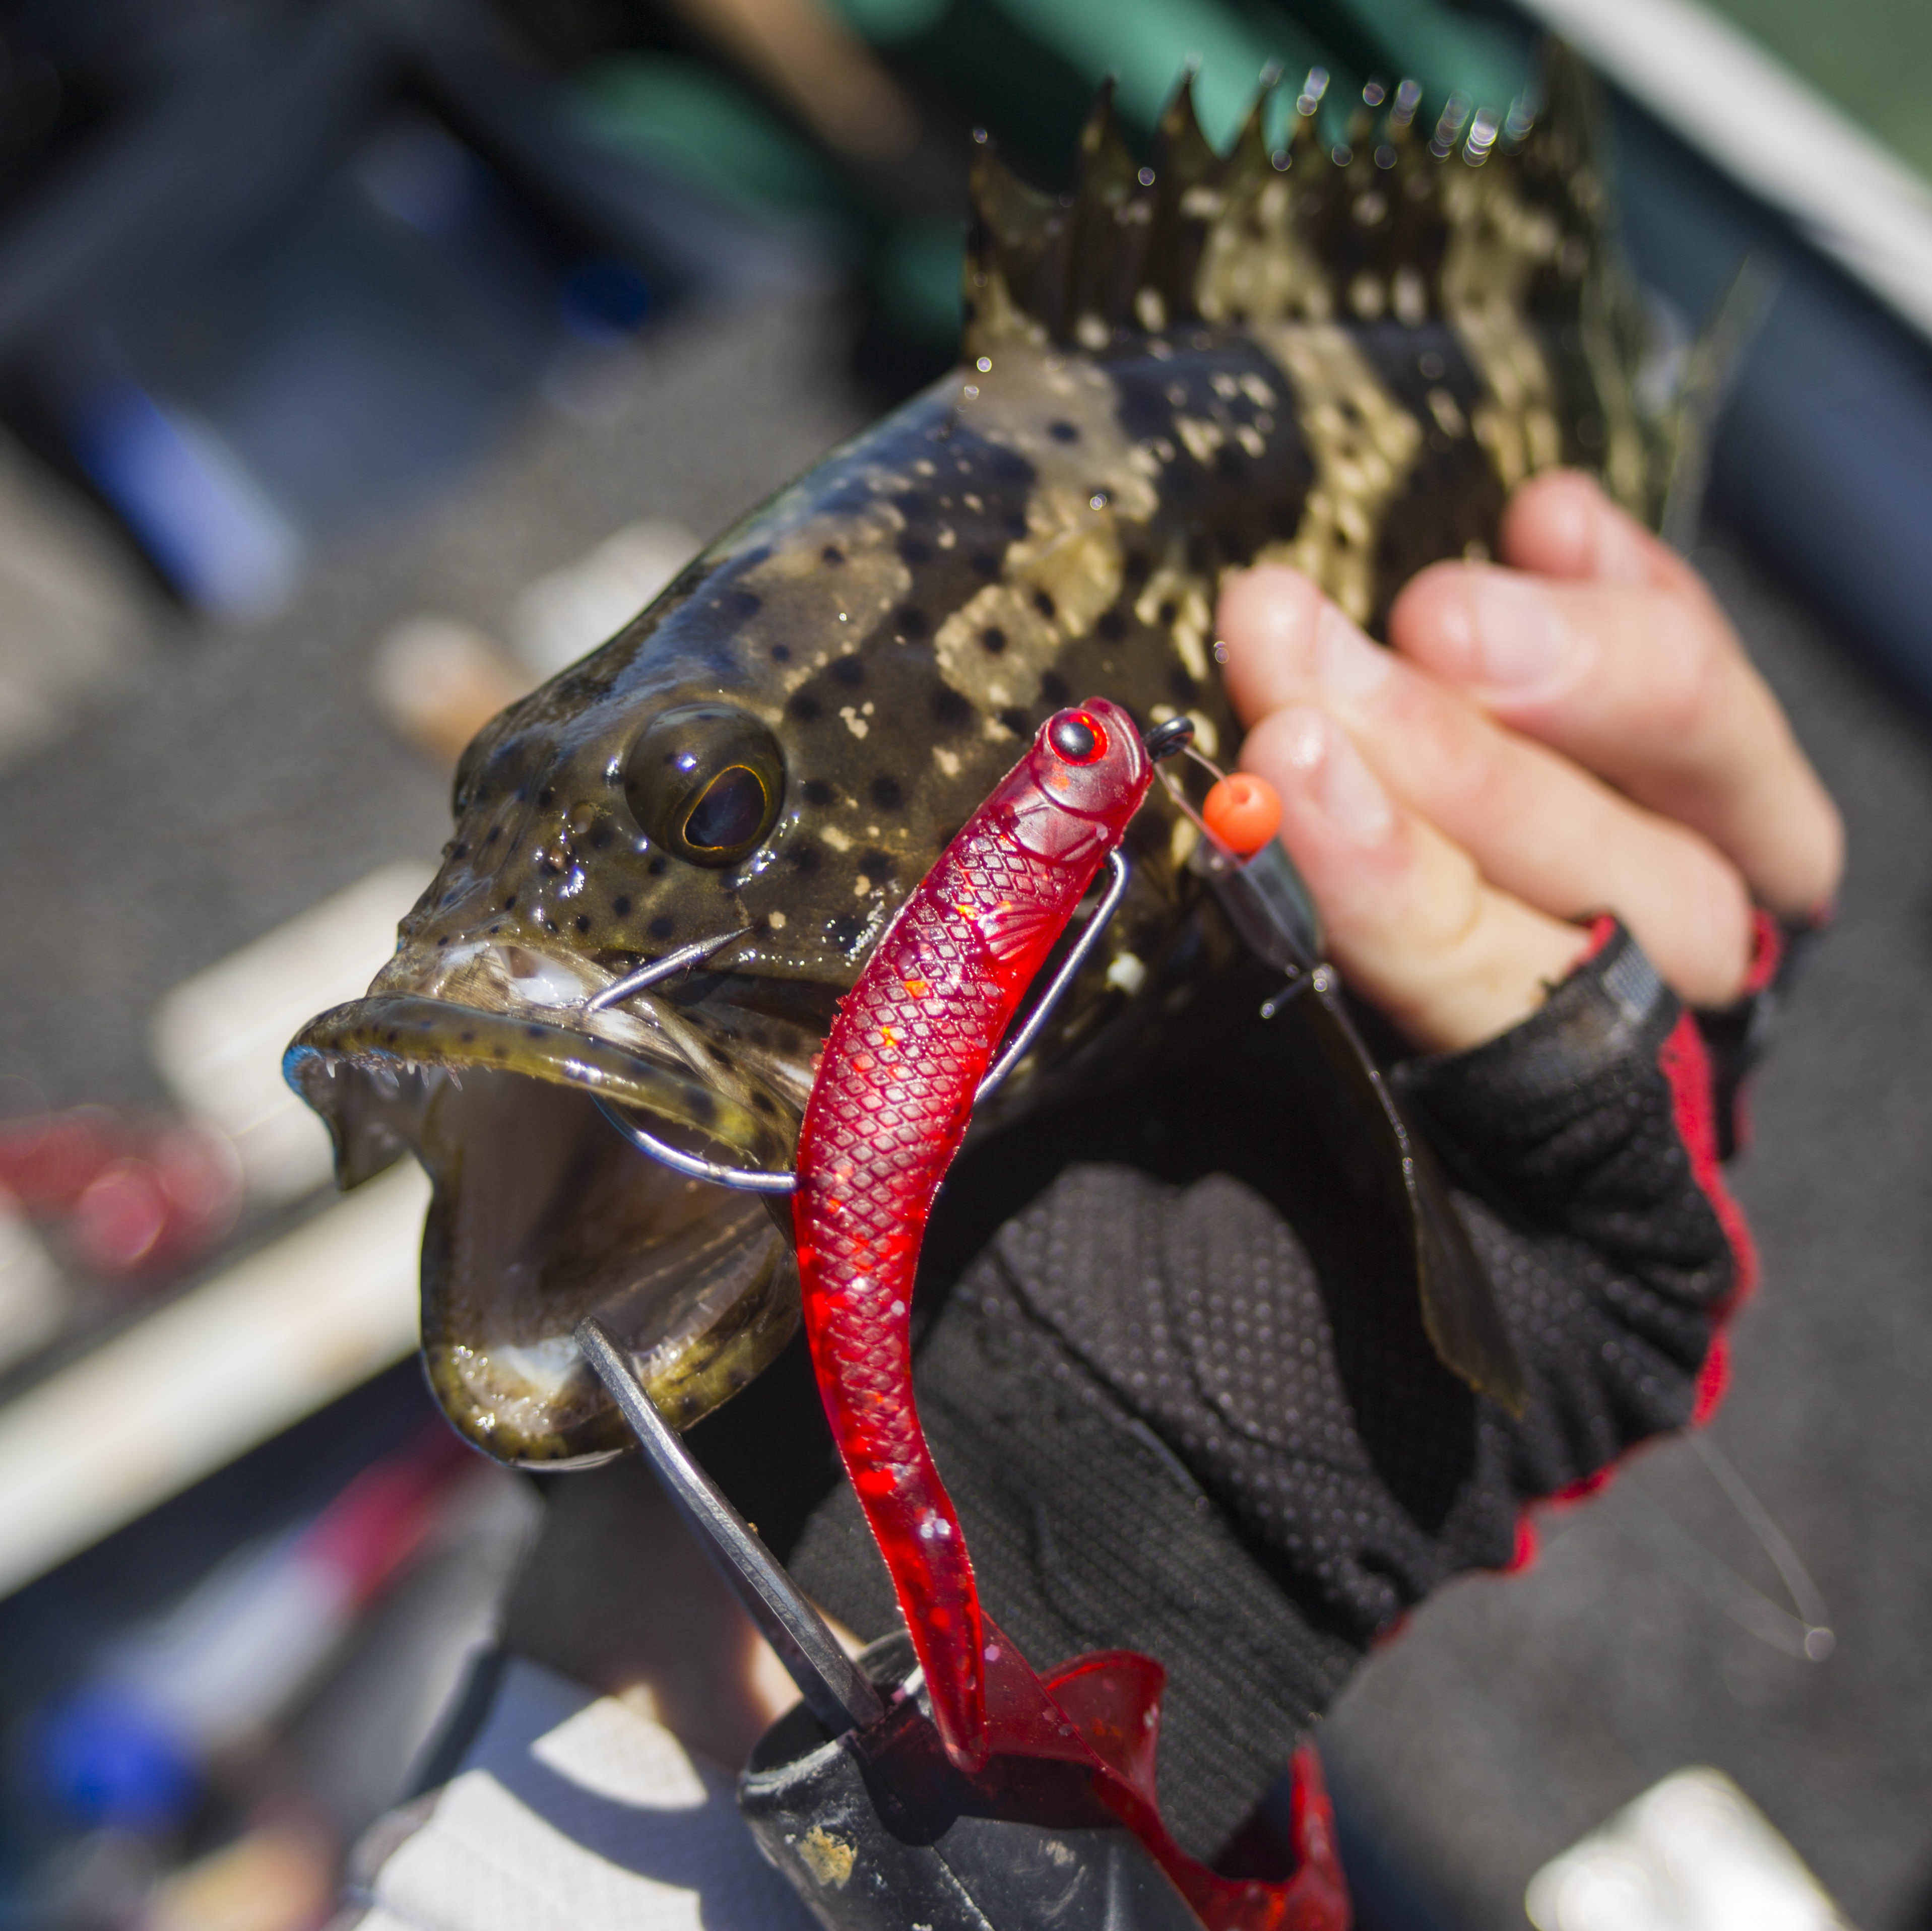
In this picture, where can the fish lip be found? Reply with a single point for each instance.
(382, 1032)
(699, 1281)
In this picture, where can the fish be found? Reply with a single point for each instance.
(1344, 358)
(888, 1110)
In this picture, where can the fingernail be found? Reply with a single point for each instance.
(1520, 640)
(1338, 780)
(1578, 532)
(1568, 507)
(1604, 542)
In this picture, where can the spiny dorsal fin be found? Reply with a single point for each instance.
(1249, 160)
(1108, 229)
(1186, 201)
(1256, 264)
(1265, 234)
(1107, 170)
(1304, 127)
(1183, 154)
(1015, 245)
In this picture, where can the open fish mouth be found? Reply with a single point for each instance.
(542, 1213)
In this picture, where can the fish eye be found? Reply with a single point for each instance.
(1078, 737)
(705, 781)
(728, 812)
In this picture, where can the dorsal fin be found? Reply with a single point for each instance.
(1187, 200)
(1254, 266)
(1015, 244)
(1107, 169)
(1250, 161)
(1107, 229)
(1183, 154)
(1278, 233)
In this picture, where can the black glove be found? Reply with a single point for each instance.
(1736, 1036)
(1178, 1413)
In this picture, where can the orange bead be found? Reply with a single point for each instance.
(1244, 812)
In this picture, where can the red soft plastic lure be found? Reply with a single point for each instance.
(888, 1110)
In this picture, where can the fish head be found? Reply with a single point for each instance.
(752, 774)
(663, 796)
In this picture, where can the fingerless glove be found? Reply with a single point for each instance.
(1183, 1416)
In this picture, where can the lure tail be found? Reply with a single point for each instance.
(857, 1323)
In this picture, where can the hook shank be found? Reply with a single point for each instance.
(835, 1690)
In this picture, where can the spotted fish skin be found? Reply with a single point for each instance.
(1342, 364)
(1372, 355)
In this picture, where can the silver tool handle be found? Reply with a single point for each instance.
(835, 1690)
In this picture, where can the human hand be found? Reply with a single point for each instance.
(1578, 731)
(617, 1595)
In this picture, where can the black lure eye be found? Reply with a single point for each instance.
(1078, 737)
(705, 781)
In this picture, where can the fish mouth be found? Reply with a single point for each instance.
(542, 1212)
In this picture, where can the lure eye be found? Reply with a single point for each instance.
(705, 781)
(1078, 737)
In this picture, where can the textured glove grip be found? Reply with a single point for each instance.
(1169, 1424)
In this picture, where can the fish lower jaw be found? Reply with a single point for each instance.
(541, 1213)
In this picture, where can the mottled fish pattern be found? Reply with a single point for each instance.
(1344, 360)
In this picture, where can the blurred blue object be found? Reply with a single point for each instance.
(99, 1758)
(308, 262)
(1824, 463)
(213, 1675)
(200, 515)
(603, 299)
(328, 372)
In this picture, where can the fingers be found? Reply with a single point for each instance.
(618, 1594)
(1413, 927)
(1616, 655)
(1538, 827)
(1561, 524)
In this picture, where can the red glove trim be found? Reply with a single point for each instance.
(1528, 1546)
(1768, 948)
(1685, 1066)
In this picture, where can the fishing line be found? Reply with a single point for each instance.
(1172, 785)
(1807, 1634)
(1806, 1597)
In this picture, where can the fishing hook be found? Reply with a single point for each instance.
(656, 969)
(1016, 1048)
(759, 1179)
(746, 1179)
(836, 1689)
